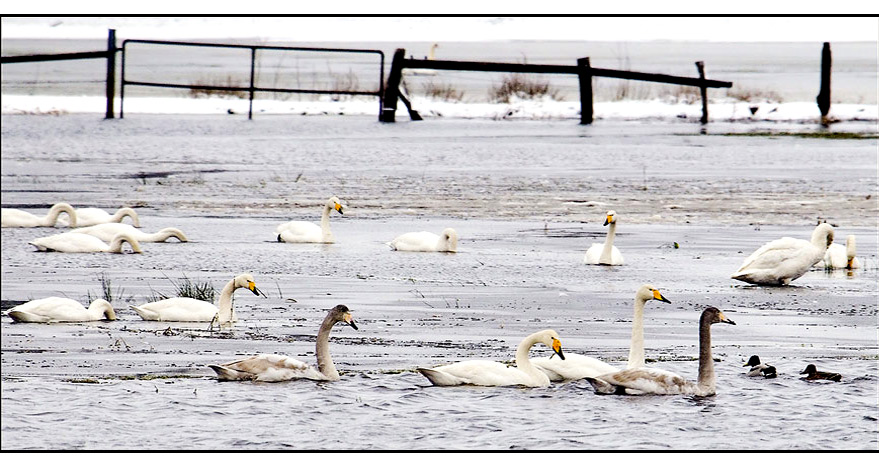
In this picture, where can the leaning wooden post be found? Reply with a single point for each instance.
(824, 94)
(585, 75)
(392, 91)
(701, 67)
(111, 73)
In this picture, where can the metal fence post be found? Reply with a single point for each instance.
(252, 72)
(111, 72)
(824, 94)
(585, 75)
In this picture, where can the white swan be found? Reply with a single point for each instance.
(106, 232)
(654, 381)
(308, 232)
(73, 242)
(490, 373)
(189, 309)
(94, 216)
(580, 366)
(426, 241)
(61, 310)
(18, 218)
(781, 261)
(431, 55)
(274, 368)
(605, 253)
(841, 257)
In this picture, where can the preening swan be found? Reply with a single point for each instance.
(580, 366)
(19, 218)
(760, 369)
(94, 216)
(74, 242)
(190, 309)
(106, 232)
(426, 241)
(781, 261)
(812, 373)
(654, 381)
(274, 368)
(605, 253)
(489, 373)
(61, 310)
(308, 232)
(841, 257)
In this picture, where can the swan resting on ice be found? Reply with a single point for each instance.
(781, 261)
(605, 253)
(275, 368)
(17, 218)
(447, 242)
(61, 310)
(191, 310)
(309, 232)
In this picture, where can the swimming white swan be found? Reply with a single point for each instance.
(841, 257)
(781, 261)
(61, 310)
(605, 253)
(580, 366)
(490, 373)
(94, 216)
(274, 368)
(74, 242)
(106, 232)
(309, 232)
(760, 369)
(654, 381)
(426, 241)
(189, 309)
(18, 218)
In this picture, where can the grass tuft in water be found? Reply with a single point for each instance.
(107, 292)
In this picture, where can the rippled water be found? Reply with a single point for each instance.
(526, 199)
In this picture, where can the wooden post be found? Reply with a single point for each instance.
(585, 75)
(252, 74)
(111, 73)
(701, 67)
(824, 94)
(392, 91)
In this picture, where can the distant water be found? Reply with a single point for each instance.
(789, 72)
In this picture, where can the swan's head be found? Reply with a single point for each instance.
(648, 292)
(713, 315)
(822, 236)
(810, 370)
(334, 203)
(551, 339)
(450, 238)
(611, 218)
(58, 208)
(753, 361)
(174, 232)
(105, 307)
(341, 314)
(850, 249)
(246, 281)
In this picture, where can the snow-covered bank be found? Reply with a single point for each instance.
(428, 108)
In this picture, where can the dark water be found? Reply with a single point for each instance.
(527, 199)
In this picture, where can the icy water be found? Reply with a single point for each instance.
(527, 199)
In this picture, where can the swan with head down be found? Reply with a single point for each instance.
(188, 309)
(781, 261)
(74, 242)
(606, 253)
(447, 242)
(17, 218)
(106, 232)
(308, 232)
(94, 216)
(841, 257)
(61, 310)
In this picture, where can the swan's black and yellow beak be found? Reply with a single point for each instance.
(349, 321)
(658, 296)
(338, 208)
(557, 348)
(724, 319)
(608, 220)
(251, 286)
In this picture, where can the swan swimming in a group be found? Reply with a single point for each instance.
(17, 218)
(189, 309)
(491, 373)
(781, 261)
(61, 310)
(309, 232)
(274, 368)
(74, 242)
(841, 257)
(94, 216)
(426, 241)
(655, 381)
(580, 366)
(106, 232)
(605, 253)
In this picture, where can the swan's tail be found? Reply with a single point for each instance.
(438, 378)
(601, 386)
(25, 317)
(145, 314)
(228, 374)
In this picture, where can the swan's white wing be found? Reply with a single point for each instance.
(10, 217)
(267, 368)
(70, 242)
(649, 381)
(51, 309)
(106, 232)
(480, 373)
(593, 253)
(177, 309)
(774, 252)
(299, 232)
(573, 367)
(416, 241)
(835, 257)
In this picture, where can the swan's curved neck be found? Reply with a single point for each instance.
(56, 210)
(325, 223)
(607, 251)
(122, 212)
(100, 309)
(322, 350)
(523, 363)
(706, 362)
(116, 243)
(227, 312)
(162, 235)
(636, 348)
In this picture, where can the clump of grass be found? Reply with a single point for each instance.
(228, 81)
(442, 91)
(107, 292)
(185, 287)
(347, 82)
(523, 87)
